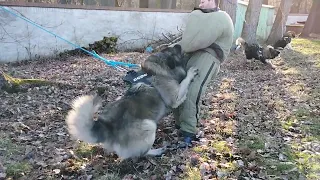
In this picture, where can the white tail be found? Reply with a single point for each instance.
(80, 119)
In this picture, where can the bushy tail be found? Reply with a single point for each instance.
(80, 120)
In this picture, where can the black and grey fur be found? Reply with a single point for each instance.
(128, 125)
(285, 41)
(255, 51)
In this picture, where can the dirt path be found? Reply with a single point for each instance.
(257, 122)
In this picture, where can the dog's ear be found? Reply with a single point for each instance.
(171, 62)
(177, 49)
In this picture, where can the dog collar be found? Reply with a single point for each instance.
(134, 77)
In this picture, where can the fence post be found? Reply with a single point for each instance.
(111, 3)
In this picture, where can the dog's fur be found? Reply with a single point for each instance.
(285, 40)
(128, 125)
(255, 51)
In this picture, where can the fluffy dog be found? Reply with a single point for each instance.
(128, 125)
(255, 51)
(285, 40)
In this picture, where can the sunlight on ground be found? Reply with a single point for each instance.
(302, 121)
(306, 46)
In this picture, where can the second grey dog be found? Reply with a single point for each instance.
(128, 125)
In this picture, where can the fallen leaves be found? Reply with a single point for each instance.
(254, 125)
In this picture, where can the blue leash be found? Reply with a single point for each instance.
(114, 64)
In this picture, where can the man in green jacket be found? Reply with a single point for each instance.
(207, 39)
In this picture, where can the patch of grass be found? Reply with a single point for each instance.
(296, 88)
(85, 150)
(8, 152)
(289, 122)
(192, 173)
(199, 149)
(7, 148)
(255, 143)
(312, 129)
(225, 128)
(309, 48)
(18, 169)
(280, 168)
(301, 113)
(306, 162)
(306, 46)
(221, 146)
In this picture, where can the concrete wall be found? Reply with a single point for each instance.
(20, 40)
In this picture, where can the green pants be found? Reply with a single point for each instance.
(187, 114)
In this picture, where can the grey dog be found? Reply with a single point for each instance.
(128, 125)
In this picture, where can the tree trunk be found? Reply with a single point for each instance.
(266, 2)
(295, 6)
(312, 24)
(230, 6)
(250, 24)
(168, 4)
(279, 25)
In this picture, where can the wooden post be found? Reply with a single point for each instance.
(143, 3)
(168, 4)
(111, 3)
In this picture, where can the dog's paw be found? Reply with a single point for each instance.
(193, 71)
(157, 152)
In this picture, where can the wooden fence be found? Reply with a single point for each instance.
(152, 4)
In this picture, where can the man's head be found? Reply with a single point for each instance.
(208, 4)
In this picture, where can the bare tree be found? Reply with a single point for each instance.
(279, 25)
(250, 25)
(230, 6)
(295, 8)
(311, 25)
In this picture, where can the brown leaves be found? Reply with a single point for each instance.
(245, 128)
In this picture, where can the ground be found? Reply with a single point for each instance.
(257, 123)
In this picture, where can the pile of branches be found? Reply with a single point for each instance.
(166, 40)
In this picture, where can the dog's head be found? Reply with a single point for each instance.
(168, 62)
(173, 56)
(175, 62)
(291, 34)
(270, 53)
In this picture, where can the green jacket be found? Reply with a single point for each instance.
(204, 29)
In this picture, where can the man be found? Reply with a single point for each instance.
(207, 40)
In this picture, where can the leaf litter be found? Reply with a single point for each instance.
(257, 123)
